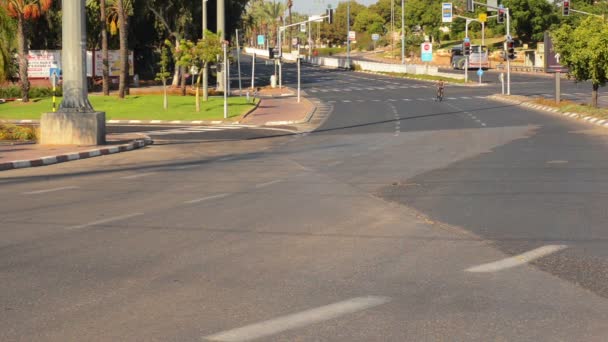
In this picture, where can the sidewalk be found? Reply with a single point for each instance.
(279, 107)
(16, 155)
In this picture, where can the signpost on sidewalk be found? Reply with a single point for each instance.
(446, 12)
(238, 60)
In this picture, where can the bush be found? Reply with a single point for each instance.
(21, 133)
(35, 92)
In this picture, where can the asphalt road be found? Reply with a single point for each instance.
(398, 219)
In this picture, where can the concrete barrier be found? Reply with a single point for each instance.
(334, 62)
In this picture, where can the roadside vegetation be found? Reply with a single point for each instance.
(424, 77)
(137, 107)
(18, 133)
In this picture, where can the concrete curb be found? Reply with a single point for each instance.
(49, 160)
(578, 116)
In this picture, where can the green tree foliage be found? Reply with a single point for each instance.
(426, 14)
(584, 50)
(531, 18)
(369, 22)
(199, 55)
(163, 73)
(7, 48)
(336, 33)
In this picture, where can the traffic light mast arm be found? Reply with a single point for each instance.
(586, 13)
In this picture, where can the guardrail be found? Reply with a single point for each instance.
(333, 62)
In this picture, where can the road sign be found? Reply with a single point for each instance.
(426, 52)
(466, 39)
(480, 72)
(375, 37)
(54, 71)
(446, 12)
(352, 35)
(261, 39)
(483, 17)
(303, 27)
(552, 58)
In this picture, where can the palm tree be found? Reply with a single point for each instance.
(289, 6)
(7, 35)
(104, 48)
(272, 12)
(24, 10)
(118, 17)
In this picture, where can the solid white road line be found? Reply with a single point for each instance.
(298, 320)
(139, 175)
(335, 163)
(50, 190)
(202, 199)
(110, 219)
(268, 183)
(517, 260)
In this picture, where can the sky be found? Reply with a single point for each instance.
(319, 6)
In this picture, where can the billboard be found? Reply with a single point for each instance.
(113, 61)
(40, 63)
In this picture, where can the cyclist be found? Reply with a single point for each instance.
(440, 87)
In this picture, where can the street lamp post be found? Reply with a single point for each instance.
(402, 31)
(348, 34)
(221, 31)
(206, 67)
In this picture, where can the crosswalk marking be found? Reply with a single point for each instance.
(196, 129)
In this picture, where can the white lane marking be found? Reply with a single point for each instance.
(268, 183)
(298, 320)
(557, 162)
(517, 260)
(336, 163)
(110, 219)
(139, 175)
(71, 187)
(202, 199)
(184, 167)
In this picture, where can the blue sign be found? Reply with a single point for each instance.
(446, 12)
(466, 39)
(55, 71)
(375, 37)
(261, 39)
(426, 52)
(479, 72)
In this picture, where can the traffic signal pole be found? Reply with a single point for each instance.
(508, 59)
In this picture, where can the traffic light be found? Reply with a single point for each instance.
(270, 53)
(470, 6)
(501, 15)
(511, 49)
(566, 8)
(466, 48)
(330, 15)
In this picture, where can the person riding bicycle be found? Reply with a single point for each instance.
(440, 87)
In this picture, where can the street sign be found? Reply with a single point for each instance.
(261, 39)
(466, 39)
(552, 58)
(492, 4)
(483, 17)
(480, 72)
(352, 35)
(54, 71)
(303, 27)
(426, 52)
(446, 12)
(375, 37)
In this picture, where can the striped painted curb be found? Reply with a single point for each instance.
(49, 160)
(578, 116)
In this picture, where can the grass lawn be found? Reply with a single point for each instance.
(137, 107)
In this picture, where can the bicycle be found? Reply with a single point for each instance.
(439, 94)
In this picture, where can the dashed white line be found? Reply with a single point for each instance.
(202, 199)
(298, 320)
(139, 175)
(517, 260)
(108, 220)
(261, 185)
(71, 187)
(335, 163)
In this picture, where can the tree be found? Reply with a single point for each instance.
(23, 11)
(163, 74)
(105, 60)
(368, 21)
(199, 56)
(123, 83)
(584, 50)
(336, 33)
(7, 36)
(531, 18)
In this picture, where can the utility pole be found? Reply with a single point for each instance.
(206, 67)
(238, 61)
(348, 34)
(221, 28)
(402, 31)
(76, 122)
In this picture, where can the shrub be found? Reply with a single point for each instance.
(14, 132)
(35, 92)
